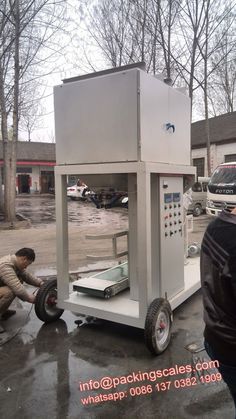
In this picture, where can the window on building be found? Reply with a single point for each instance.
(204, 186)
(24, 169)
(47, 181)
(197, 187)
(230, 157)
(200, 165)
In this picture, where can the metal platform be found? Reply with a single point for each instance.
(121, 308)
(106, 284)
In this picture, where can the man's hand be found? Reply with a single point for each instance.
(31, 298)
(42, 282)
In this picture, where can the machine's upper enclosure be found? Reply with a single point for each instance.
(124, 116)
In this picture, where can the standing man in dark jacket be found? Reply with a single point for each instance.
(218, 278)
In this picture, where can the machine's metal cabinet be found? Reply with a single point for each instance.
(96, 119)
(121, 117)
(161, 105)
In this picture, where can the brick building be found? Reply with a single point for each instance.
(35, 166)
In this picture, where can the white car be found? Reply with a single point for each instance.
(77, 191)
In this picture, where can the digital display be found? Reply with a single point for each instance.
(168, 198)
(176, 197)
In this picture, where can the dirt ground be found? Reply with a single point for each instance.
(83, 219)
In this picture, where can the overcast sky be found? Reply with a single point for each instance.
(72, 62)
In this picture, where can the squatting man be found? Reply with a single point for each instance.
(12, 275)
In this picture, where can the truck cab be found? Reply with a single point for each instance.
(222, 189)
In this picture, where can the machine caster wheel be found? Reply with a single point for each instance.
(46, 300)
(108, 292)
(197, 210)
(193, 250)
(158, 326)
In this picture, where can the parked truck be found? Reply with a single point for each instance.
(198, 196)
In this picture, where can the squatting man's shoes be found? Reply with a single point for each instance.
(5, 316)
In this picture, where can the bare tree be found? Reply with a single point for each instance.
(108, 24)
(126, 31)
(191, 28)
(31, 111)
(200, 21)
(223, 81)
(7, 41)
(51, 136)
(215, 16)
(26, 27)
(189, 40)
(163, 17)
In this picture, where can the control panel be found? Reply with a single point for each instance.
(173, 217)
(171, 235)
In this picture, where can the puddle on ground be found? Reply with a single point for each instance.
(41, 212)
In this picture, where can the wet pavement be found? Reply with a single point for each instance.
(46, 370)
(55, 370)
(41, 211)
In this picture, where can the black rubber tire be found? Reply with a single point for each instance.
(45, 312)
(159, 309)
(197, 210)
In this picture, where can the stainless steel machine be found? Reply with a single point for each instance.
(129, 124)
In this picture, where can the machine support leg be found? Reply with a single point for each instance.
(144, 240)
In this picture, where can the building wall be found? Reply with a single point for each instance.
(35, 185)
(223, 150)
(217, 154)
(34, 175)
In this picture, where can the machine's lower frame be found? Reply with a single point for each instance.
(157, 331)
(158, 320)
(159, 281)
